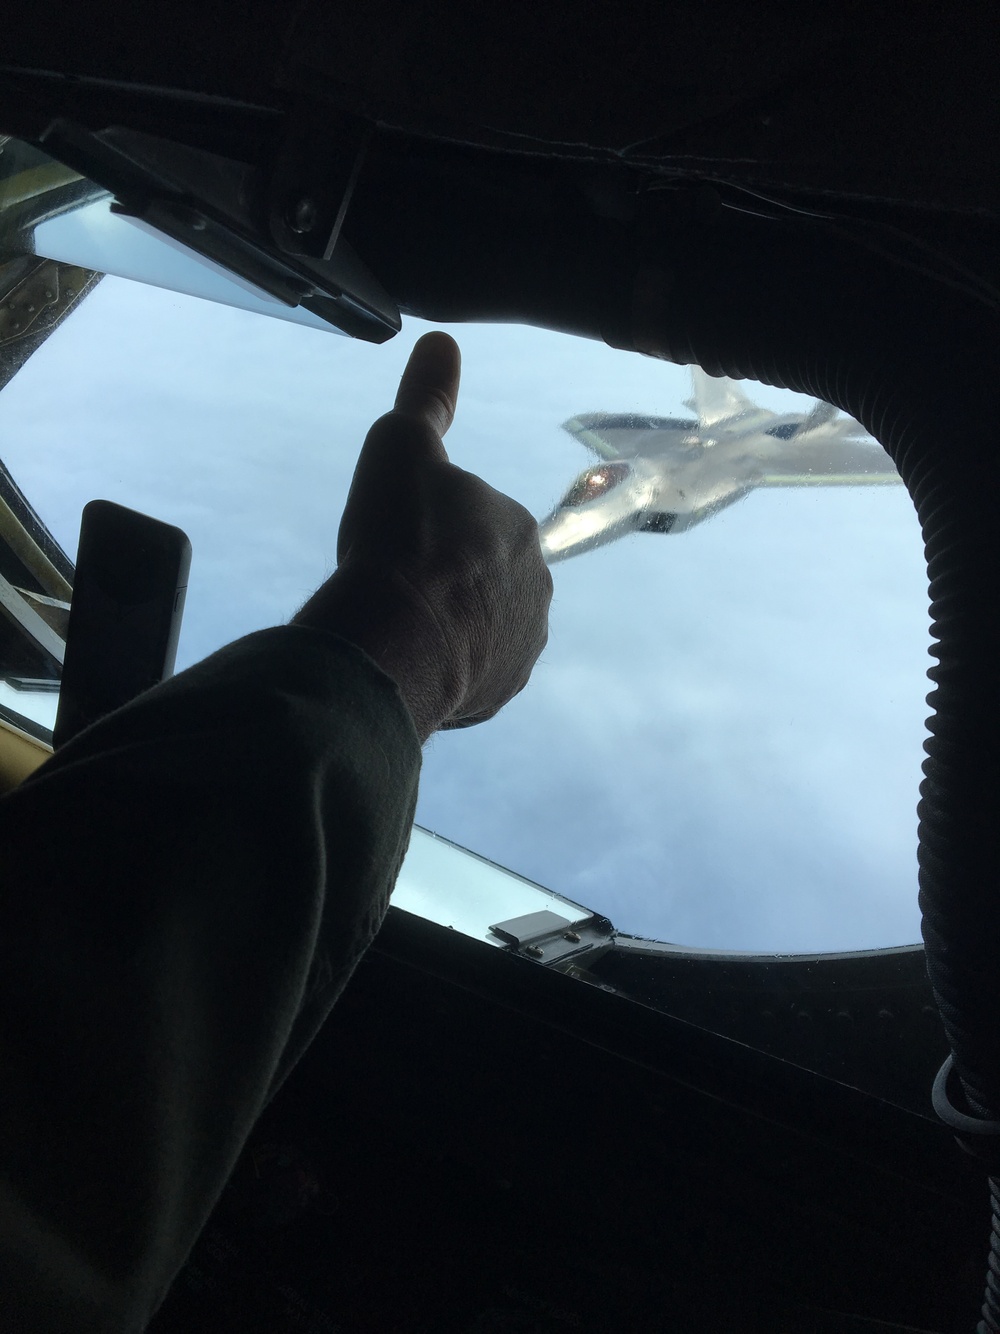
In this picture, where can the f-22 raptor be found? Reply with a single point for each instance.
(667, 474)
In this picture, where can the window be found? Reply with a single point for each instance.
(721, 745)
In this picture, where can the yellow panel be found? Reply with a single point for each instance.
(20, 755)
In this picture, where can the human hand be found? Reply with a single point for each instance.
(440, 578)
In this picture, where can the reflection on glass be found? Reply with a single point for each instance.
(95, 238)
(20, 701)
(446, 884)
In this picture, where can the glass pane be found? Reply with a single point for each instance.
(95, 238)
(445, 883)
(721, 745)
(19, 701)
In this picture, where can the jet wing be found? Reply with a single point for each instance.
(809, 459)
(629, 435)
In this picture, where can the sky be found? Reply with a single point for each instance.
(720, 746)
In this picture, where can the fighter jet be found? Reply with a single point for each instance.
(667, 474)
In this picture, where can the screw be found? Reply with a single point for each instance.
(302, 215)
(534, 950)
(573, 936)
(71, 291)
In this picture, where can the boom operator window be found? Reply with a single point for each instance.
(721, 744)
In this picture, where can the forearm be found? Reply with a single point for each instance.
(394, 625)
(187, 887)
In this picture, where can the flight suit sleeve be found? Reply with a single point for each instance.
(186, 888)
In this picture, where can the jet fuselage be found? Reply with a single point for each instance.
(667, 474)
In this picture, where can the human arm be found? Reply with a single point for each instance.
(186, 888)
(188, 885)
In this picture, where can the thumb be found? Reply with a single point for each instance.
(429, 387)
(423, 411)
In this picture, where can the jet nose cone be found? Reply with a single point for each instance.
(604, 503)
(557, 537)
(569, 531)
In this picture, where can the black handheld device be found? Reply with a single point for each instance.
(125, 613)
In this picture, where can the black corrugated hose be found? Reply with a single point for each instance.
(900, 337)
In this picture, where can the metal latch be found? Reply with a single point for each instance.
(550, 938)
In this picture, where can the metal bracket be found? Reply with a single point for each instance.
(16, 609)
(225, 211)
(313, 179)
(41, 296)
(551, 939)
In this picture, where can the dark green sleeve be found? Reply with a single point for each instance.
(184, 891)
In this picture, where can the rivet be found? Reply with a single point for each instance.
(30, 308)
(71, 291)
(49, 294)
